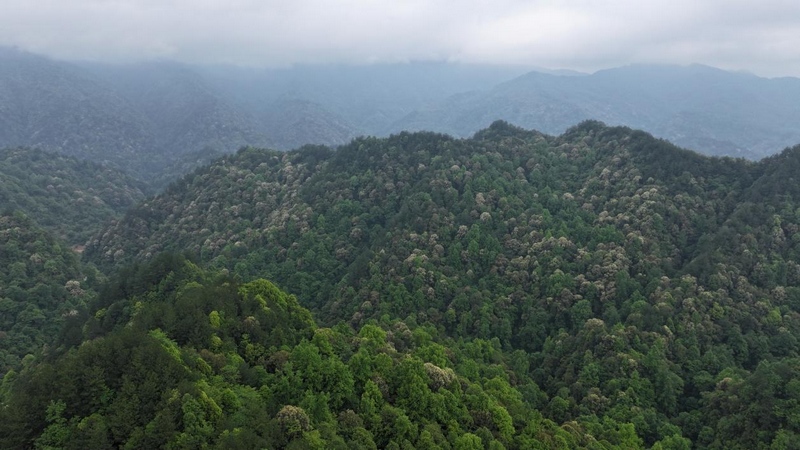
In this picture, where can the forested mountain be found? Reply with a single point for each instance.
(58, 107)
(71, 198)
(294, 123)
(41, 284)
(149, 127)
(628, 280)
(287, 108)
(176, 357)
(369, 98)
(157, 120)
(710, 110)
(50, 204)
(187, 113)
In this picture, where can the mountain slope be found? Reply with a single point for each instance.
(628, 280)
(155, 119)
(151, 119)
(369, 98)
(188, 114)
(293, 123)
(40, 286)
(270, 190)
(709, 110)
(146, 131)
(69, 197)
(56, 107)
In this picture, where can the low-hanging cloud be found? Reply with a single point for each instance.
(579, 34)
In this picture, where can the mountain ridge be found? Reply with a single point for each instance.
(684, 104)
(152, 118)
(602, 287)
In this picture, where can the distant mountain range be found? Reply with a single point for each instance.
(57, 106)
(709, 110)
(157, 120)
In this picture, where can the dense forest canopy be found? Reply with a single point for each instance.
(177, 357)
(597, 289)
(71, 198)
(41, 284)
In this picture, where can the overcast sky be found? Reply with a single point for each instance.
(760, 36)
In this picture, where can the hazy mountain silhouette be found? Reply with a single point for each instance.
(157, 120)
(710, 110)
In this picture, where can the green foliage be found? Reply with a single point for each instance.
(72, 199)
(42, 286)
(601, 289)
(272, 379)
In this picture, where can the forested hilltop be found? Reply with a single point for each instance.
(598, 289)
(71, 198)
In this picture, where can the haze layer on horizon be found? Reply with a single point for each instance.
(758, 37)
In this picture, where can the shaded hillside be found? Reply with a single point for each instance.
(712, 111)
(187, 113)
(369, 97)
(57, 107)
(761, 237)
(69, 197)
(41, 284)
(293, 123)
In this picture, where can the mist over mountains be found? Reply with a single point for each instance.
(158, 120)
(601, 288)
(399, 225)
(712, 111)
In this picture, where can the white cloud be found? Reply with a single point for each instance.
(760, 36)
